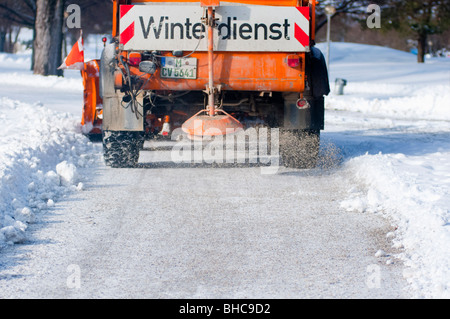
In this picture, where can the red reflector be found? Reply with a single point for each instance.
(293, 61)
(302, 104)
(134, 59)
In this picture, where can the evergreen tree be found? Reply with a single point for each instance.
(417, 18)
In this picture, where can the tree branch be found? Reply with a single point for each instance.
(21, 18)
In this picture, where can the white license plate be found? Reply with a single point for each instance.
(178, 68)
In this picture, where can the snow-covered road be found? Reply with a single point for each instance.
(206, 233)
(373, 224)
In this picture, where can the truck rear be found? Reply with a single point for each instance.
(212, 68)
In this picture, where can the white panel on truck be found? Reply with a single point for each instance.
(238, 28)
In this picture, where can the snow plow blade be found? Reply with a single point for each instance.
(91, 120)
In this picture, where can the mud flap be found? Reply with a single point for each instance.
(310, 117)
(117, 116)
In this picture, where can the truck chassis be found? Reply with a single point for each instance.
(147, 91)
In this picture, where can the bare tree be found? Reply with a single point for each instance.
(353, 8)
(48, 39)
(19, 12)
(13, 16)
(46, 19)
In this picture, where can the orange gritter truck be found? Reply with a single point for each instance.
(211, 68)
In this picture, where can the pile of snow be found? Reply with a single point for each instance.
(414, 193)
(397, 152)
(386, 82)
(40, 154)
(42, 149)
(429, 103)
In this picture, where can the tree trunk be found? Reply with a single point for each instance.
(33, 49)
(48, 37)
(2, 40)
(421, 47)
(6, 44)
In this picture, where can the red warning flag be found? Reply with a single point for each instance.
(75, 59)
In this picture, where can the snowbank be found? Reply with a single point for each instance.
(397, 152)
(386, 82)
(414, 193)
(15, 72)
(40, 154)
(431, 103)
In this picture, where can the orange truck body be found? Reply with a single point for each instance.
(208, 68)
(235, 70)
(262, 49)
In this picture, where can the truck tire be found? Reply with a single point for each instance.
(299, 148)
(121, 148)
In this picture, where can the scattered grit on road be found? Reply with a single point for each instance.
(171, 232)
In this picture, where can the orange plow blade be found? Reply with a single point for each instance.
(91, 120)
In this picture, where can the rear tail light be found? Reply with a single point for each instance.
(134, 58)
(293, 60)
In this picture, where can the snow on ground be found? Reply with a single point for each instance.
(41, 148)
(42, 145)
(40, 152)
(393, 128)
